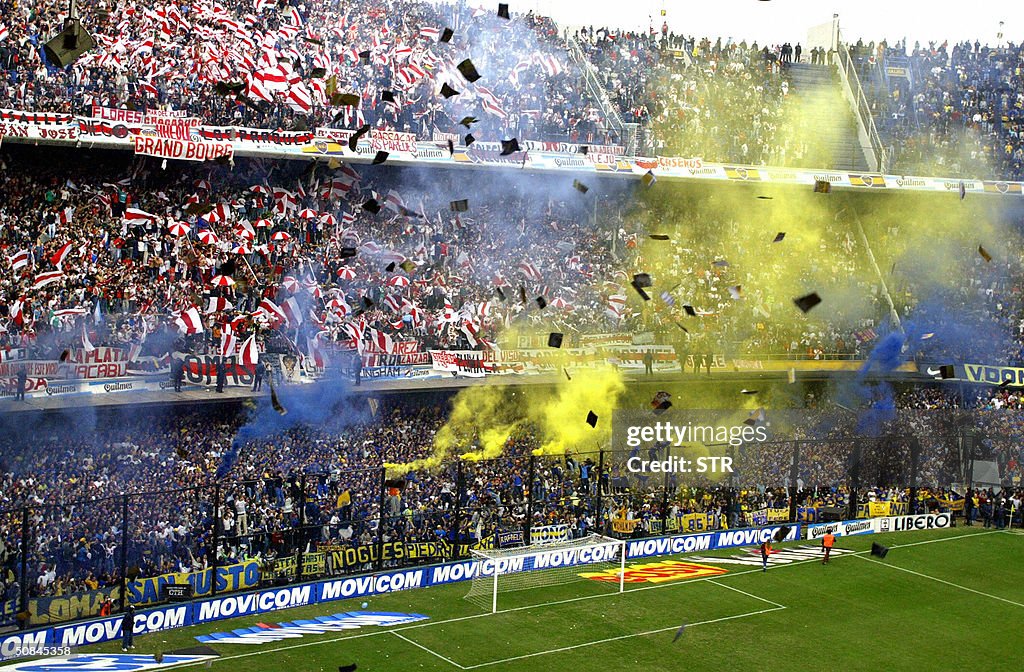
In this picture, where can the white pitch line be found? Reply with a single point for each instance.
(743, 592)
(615, 639)
(430, 651)
(948, 583)
(425, 624)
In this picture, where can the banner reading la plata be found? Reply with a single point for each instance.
(185, 150)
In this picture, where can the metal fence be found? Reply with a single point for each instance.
(81, 559)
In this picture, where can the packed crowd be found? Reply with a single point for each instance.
(958, 111)
(720, 102)
(234, 63)
(259, 248)
(111, 252)
(264, 66)
(302, 485)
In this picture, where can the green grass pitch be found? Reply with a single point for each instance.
(945, 599)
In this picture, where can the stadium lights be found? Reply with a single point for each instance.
(72, 41)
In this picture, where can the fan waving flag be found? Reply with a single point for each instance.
(228, 341)
(44, 279)
(190, 322)
(133, 215)
(19, 260)
(292, 312)
(60, 255)
(250, 353)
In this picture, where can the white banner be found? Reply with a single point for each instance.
(186, 150)
(549, 534)
(928, 521)
(845, 528)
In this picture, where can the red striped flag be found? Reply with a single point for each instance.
(250, 353)
(218, 304)
(60, 255)
(228, 341)
(190, 321)
(292, 312)
(19, 260)
(44, 279)
(134, 215)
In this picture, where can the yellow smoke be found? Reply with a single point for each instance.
(485, 418)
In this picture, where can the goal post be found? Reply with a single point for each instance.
(530, 567)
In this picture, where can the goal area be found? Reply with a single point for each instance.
(526, 568)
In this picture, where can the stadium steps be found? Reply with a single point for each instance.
(830, 120)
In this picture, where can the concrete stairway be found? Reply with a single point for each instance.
(827, 118)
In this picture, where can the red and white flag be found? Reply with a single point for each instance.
(66, 215)
(292, 312)
(60, 255)
(272, 312)
(134, 215)
(217, 304)
(19, 260)
(17, 314)
(189, 321)
(228, 341)
(529, 271)
(383, 342)
(394, 202)
(250, 353)
(316, 351)
(44, 279)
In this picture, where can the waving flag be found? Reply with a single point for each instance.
(217, 304)
(190, 322)
(529, 271)
(316, 351)
(250, 353)
(44, 279)
(86, 343)
(19, 260)
(60, 255)
(383, 342)
(292, 312)
(228, 342)
(134, 215)
(271, 311)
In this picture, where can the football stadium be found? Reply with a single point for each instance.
(394, 335)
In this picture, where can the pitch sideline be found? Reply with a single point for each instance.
(547, 604)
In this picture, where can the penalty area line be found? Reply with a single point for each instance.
(937, 579)
(671, 628)
(430, 651)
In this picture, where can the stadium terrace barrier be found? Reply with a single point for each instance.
(265, 601)
(330, 590)
(210, 142)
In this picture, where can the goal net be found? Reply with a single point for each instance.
(526, 568)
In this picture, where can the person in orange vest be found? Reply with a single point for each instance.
(827, 542)
(766, 550)
(107, 607)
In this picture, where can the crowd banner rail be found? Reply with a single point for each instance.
(265, 601)
(185, 139)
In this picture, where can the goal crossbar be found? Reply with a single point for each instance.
(524, 568)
